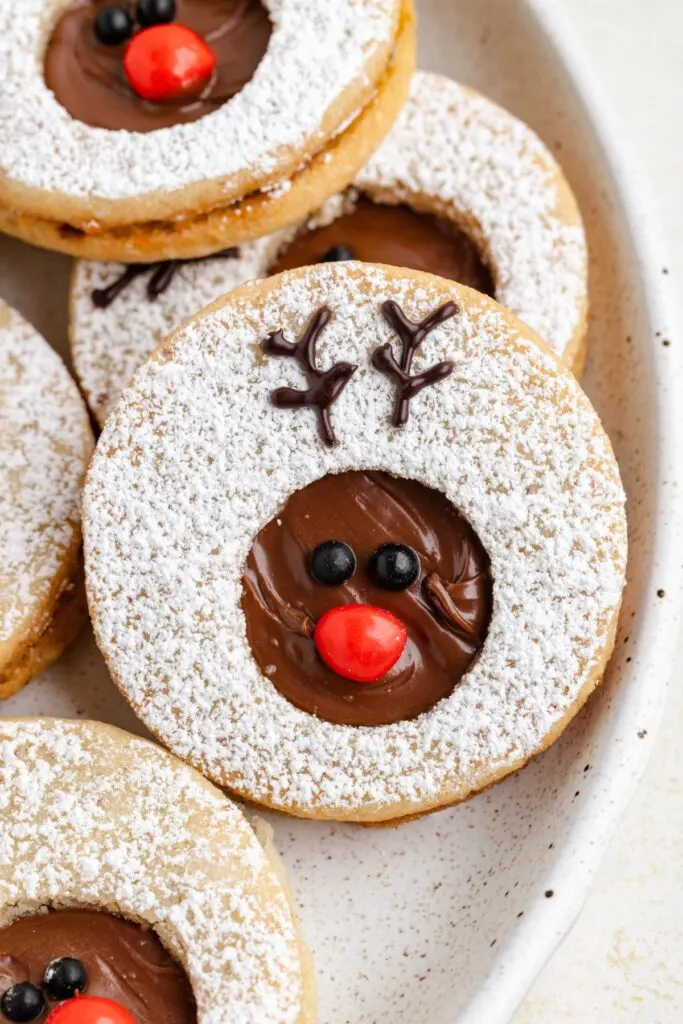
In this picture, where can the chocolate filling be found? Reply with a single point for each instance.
(124, 962)
(398, 236)
(88, 79)
(446, 611)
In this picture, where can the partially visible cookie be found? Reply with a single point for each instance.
(460, 188)
(289, 100)
(119, 857)
(45, 446)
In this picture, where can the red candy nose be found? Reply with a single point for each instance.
(90, 1010)
(165, 62)
(360, 642)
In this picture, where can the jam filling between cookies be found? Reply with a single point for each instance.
(67, 963)
(367, 598)
(373, 232)
(157, 75)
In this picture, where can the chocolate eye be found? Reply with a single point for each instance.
(393, 567)
(65, 978)
(113, 26)
(337, 254)
(332, 563)
(155, 12)
(23, 1002)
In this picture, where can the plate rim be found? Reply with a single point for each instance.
(547, 922)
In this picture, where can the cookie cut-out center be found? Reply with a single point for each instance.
(445, 605)
(89, 76)
(121, 962)
(395, 235)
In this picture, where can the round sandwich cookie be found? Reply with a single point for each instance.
(45, 447)
(158, 129)
(460, 188)
(355, 543)
(133, 892)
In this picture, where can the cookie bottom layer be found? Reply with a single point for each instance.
(68, 616)
(259, 214)
(264, 834)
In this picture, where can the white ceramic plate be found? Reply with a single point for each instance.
(449, 919)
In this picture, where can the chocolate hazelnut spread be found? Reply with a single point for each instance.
(397, 235)
(88, 79)
(124, 962)
(446, 610)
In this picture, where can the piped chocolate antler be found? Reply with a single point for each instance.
(325, 386)
(161, 279)
(411, 335)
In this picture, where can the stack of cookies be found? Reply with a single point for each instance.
(354, 537)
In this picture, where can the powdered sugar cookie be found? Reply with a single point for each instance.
(130, 885)
(45, 446)
(355, 542)
(480, 200)
(149, 130)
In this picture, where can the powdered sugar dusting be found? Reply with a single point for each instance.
(451, 145)
(481, 162)
(195, 460)
(44, 450)
(317, 50)
(109, 344)
(94, 817)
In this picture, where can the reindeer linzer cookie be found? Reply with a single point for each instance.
(45, 447)
(355, 543)
(154, 129)
(133, 892)
(460, 188)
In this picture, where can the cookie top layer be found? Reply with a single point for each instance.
(195, 460)
(45, 445)
(319, 50)
(96, 818)
(452, 152)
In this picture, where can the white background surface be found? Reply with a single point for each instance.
(623, 962)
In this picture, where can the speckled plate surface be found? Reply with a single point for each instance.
(450, 918)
